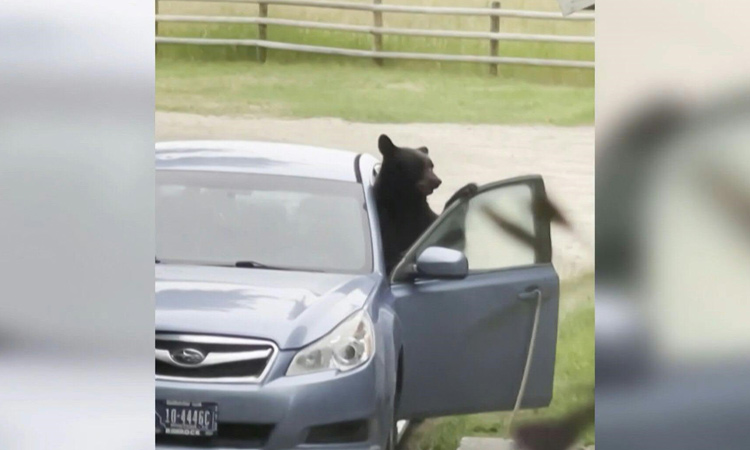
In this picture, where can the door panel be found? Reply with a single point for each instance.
(465, 341)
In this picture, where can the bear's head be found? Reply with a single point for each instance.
(406, 171)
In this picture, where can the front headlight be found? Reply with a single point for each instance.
(348, 346)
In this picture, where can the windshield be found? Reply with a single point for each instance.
(276, 221)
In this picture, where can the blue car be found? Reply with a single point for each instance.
(278, 328)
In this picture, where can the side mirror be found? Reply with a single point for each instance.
(441, 262)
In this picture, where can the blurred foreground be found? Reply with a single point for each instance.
(77, 228)
(673, 240)
(673, 253)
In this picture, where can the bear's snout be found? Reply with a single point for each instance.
(428, 184)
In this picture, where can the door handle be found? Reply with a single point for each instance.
(530, 294)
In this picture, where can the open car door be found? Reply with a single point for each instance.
(466, 337)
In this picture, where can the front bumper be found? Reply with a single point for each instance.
(280, 412)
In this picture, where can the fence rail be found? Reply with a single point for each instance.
(377, 30)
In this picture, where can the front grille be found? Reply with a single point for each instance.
(229, 435)
(234, 370)
(221, 359)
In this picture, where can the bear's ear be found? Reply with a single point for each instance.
(385, 145)
(424, 150)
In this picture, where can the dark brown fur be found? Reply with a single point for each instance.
(405, 180)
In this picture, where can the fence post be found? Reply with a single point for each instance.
(262, 30)
(377, 38)
(156, 24)
(494, 43)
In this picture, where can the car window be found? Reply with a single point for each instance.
(280, 221)
(467, 228)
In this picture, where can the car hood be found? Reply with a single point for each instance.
(292, 309)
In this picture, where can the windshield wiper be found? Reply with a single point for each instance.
(240, 264)
(257, 265)
(260, 265)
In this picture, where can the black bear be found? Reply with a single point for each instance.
(405, 180)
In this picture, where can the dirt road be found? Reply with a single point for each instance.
(462, 153)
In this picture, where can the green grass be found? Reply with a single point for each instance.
(365, 93)
(573, 384)
(546, 75)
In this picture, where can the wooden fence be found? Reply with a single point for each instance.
(378, 30)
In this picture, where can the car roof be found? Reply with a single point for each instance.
(259, 157)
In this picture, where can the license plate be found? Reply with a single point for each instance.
(186, 418)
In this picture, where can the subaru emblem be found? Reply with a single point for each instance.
(188, 356)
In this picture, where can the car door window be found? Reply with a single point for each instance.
(467, 227)
(489, 248)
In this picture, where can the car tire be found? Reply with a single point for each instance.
(392, 443)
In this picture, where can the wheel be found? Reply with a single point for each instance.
(393, 434)
(392, 443)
